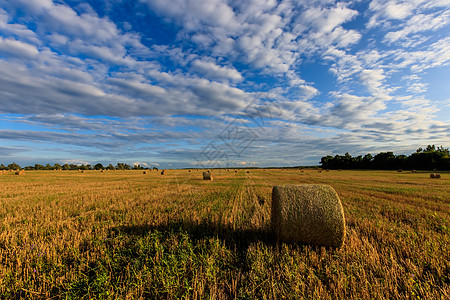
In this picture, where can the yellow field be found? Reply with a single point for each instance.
(125, 234)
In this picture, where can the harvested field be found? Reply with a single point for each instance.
(123, 235)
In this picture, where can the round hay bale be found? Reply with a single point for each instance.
(309, 213)
(437, 175)
(163, 172)
(414, 171)
(20, 172)
(207, 176)
(432, 175)
(399, 170)
(144, 172)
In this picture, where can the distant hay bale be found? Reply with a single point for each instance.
(163, 172)
(327, 170)
(145, 172)
(248, 171)
(310, 214)
(82, 171)
(437, 175)
(432, 175)
(101, 171)
(414, 171)
(399, 170)
(20, 172)
(189, 171)
(207, 176)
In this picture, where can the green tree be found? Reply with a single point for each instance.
(98, 166)
(13, 166)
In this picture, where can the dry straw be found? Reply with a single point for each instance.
(310, 214)
(207, 176)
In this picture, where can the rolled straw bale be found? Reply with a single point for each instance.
(163, 172)
(207, 176)
(437, 175)
(309, 213)
(414, 171)
(144, 172)
(20, 172)
(432, 175)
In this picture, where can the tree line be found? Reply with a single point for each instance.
(430, 158)
(98, 166)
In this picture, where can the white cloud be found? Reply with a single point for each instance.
(18, 49)
(420, 23)
(215, 72)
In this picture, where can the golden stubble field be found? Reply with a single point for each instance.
(129, 235)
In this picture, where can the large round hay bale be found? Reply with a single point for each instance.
(144, 172)
(437, 175)
(207, 176)
(163, 172)
(432, 175)
(310, 214)
(20, 172)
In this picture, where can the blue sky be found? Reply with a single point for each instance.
(178, 83)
